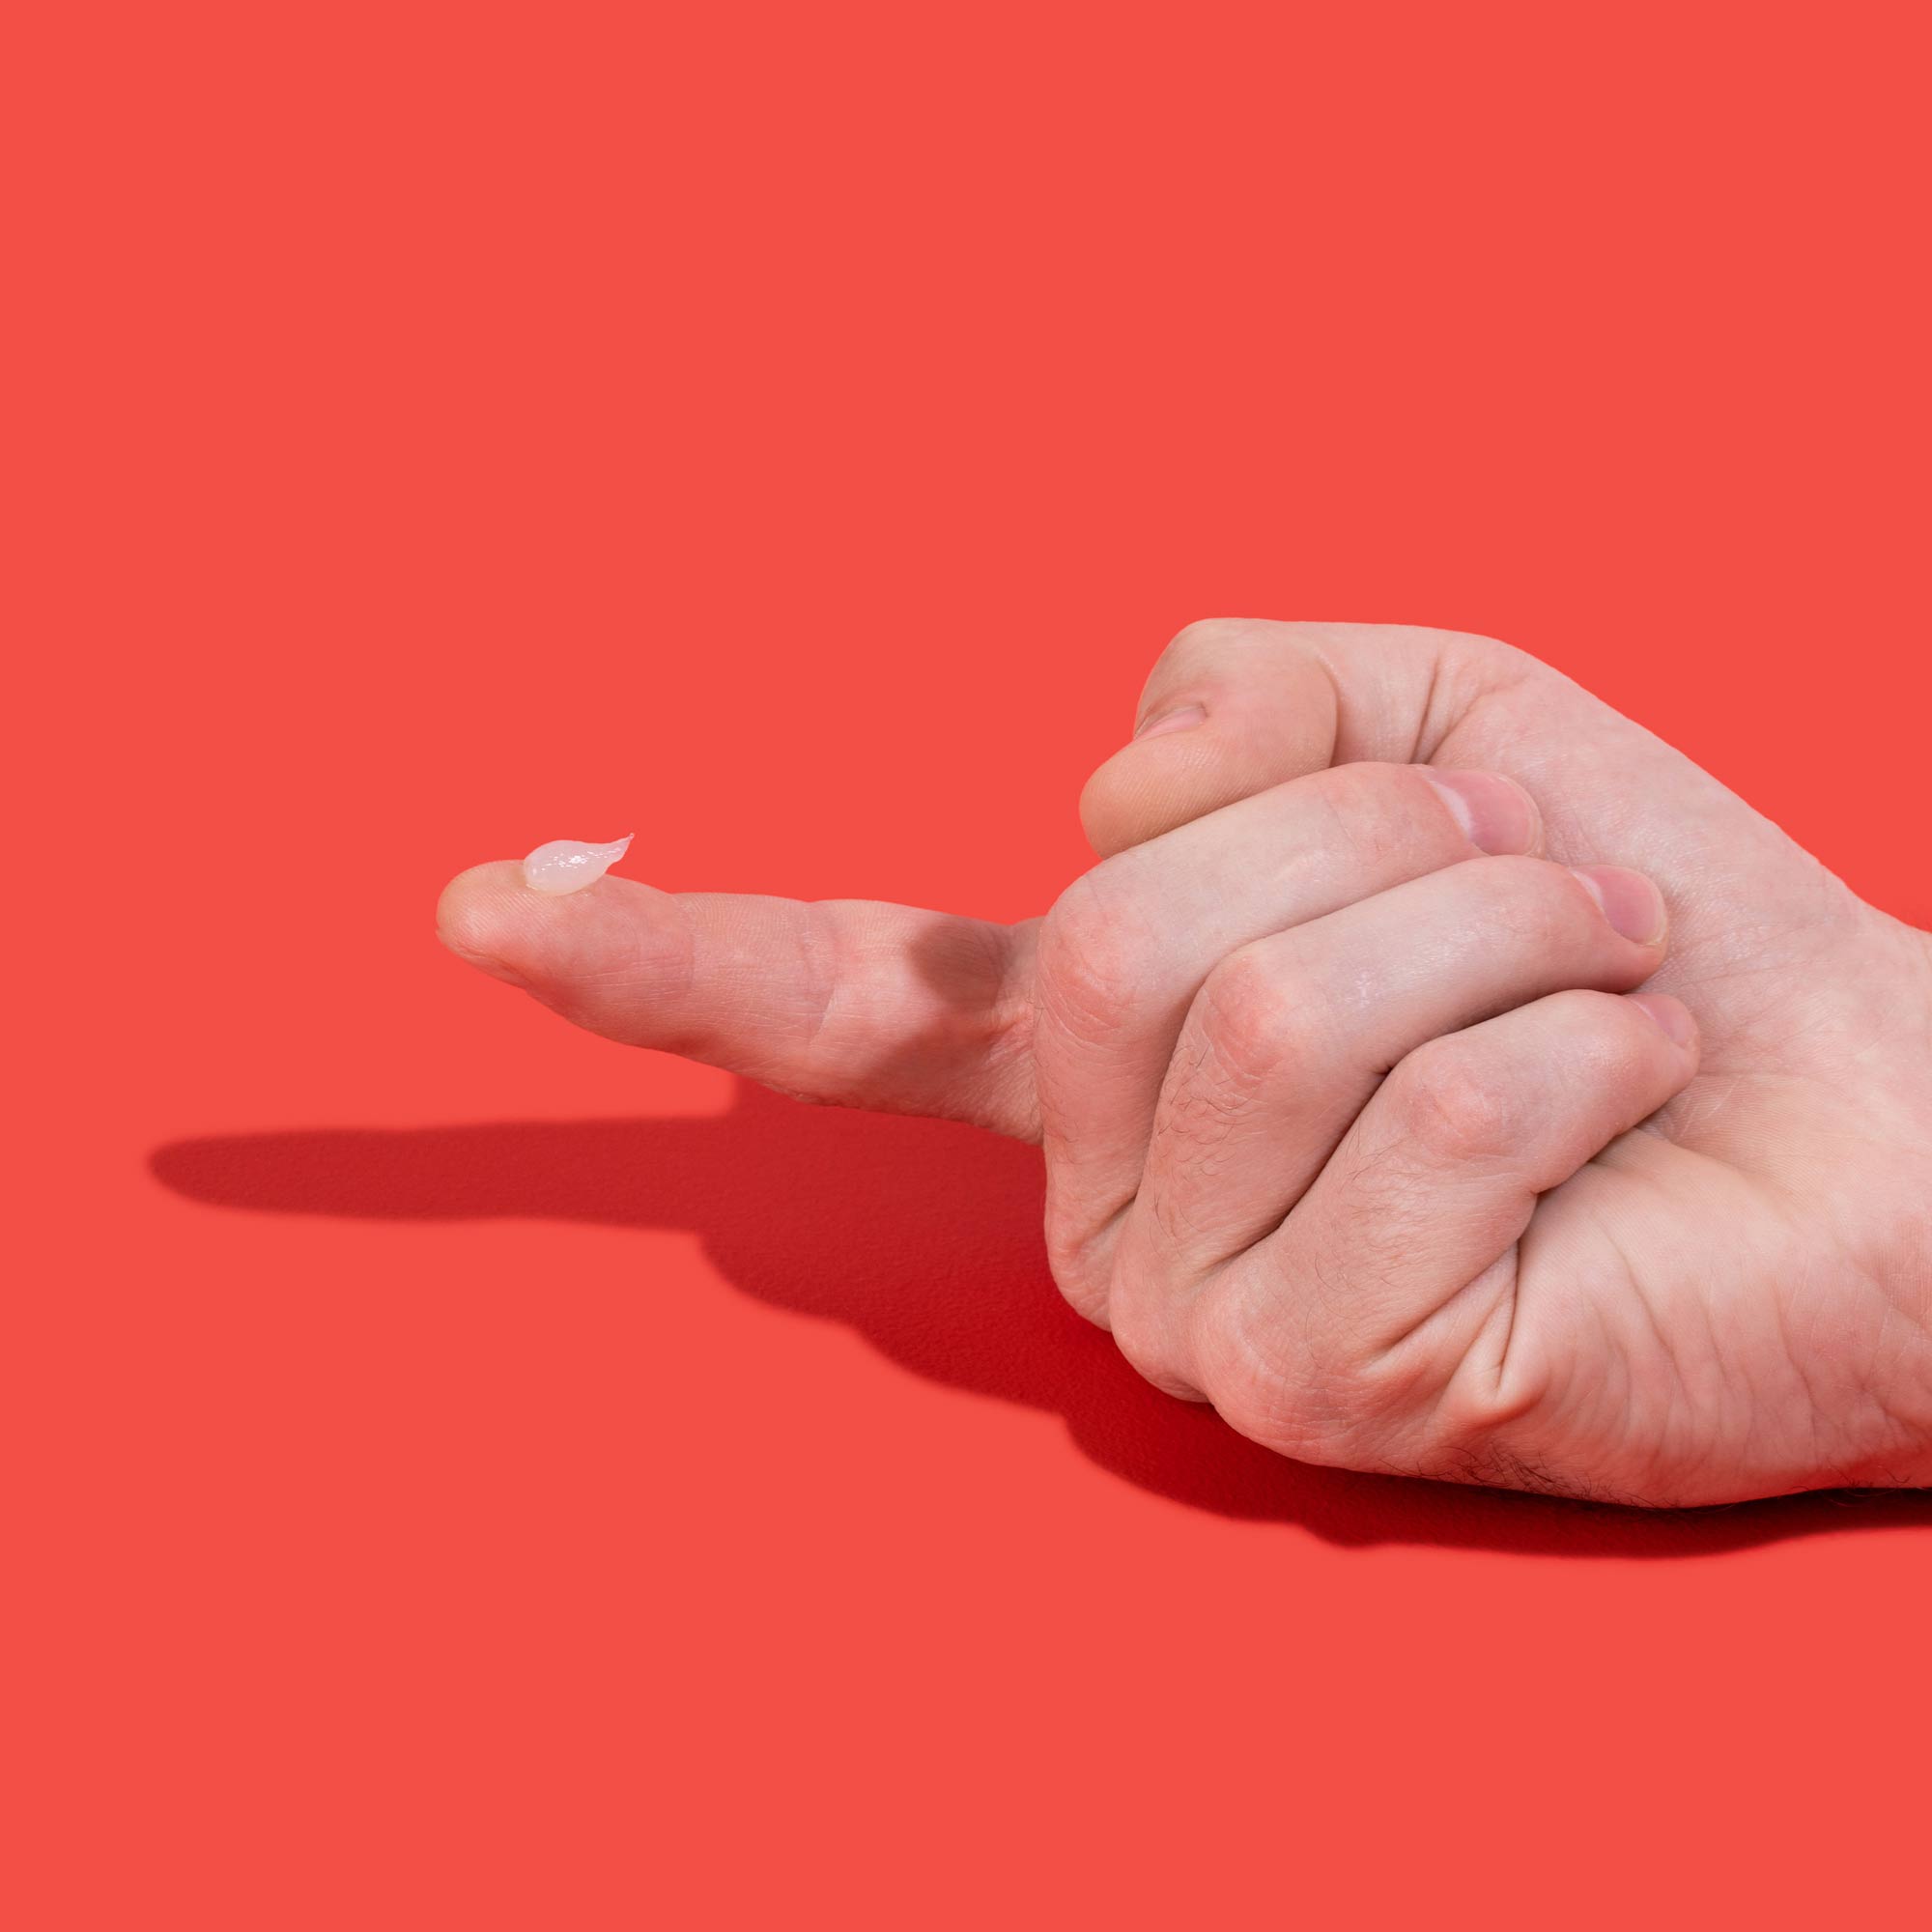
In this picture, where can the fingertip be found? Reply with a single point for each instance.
(1629, 900)
(1675, 1019)
(1231, 708)
(1151, 785)
(604, 957)
(478, 917)
(1493, 812)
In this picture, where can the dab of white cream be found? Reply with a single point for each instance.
(569, 865)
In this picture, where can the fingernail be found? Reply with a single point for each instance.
(1669, 1015)
(1630, 901)
(1495, 813)
(1178, 720)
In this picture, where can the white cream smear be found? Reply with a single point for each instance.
(569, 865)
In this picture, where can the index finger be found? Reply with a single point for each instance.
(847, 1001)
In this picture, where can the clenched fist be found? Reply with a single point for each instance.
(1357, 1122)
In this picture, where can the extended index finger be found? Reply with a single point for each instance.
(847, 1001)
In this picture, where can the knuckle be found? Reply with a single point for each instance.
(1087, 1301)
(1208, 635)
(1209, 642)
(1274, 1377)
(1083, 1285)
(1253, 1018)
(1090, 959)
(1076, 1257)
(1456, 1103)
(1489, 660)
(1142, 1332)
(1503, 660)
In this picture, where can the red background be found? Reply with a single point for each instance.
(463, 1473)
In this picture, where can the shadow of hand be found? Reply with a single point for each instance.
(925, 1236)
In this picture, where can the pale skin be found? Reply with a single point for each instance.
(1356, 1123)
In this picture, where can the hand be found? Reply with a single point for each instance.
(1355, 1125)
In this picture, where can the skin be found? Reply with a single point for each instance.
(1355, 1123)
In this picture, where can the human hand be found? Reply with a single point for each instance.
(1352, 1123)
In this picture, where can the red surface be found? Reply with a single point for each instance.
(464, 1474)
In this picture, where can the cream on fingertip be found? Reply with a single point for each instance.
(569, 865)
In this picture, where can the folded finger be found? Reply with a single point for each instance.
(1290, 1036)
(1397, 1267)
(1126, 949)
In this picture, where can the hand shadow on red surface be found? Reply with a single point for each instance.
(926, 1237)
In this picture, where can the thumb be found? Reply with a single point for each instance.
(843, 1001)
(1235, 706)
